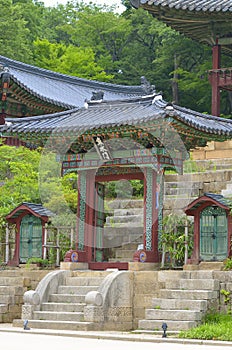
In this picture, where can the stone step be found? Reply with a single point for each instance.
(90, 273)
(114, 260)
(11, 281)
(128, 212)
(209, 176)
(213, 164)
(15, 290)
(66, 298)
(66, 307)
(178, 315)
(122, 254)
(84, 281)
(58, 325)
(129, 246)
(76, 290)
(174, 204)
(127, 219)
(125, 203)
(182, 185)
(116, 237)
(184, 304)
(156, 325)
(3, 308)
(59, 316)
(188, 294)
(124, 225)
(10, 272)
(207, 284)
(202, 274)
(179, 191)
(7, 299)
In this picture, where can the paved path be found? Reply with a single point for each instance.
(16, 338)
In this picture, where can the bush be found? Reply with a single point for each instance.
(215, 327)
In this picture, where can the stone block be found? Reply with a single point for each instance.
(226, 145)
(73, 266)
(27, 312)
(198, 154)
(119, 314)
(26, 282)
(143, 300)
(138, 266)
(218, 154)
(211, 265)
(16, 309)
(93, 314)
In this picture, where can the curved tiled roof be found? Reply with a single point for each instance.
(60, 89)
(204, 21)
(144, 112)
(38, 209)
(193, 5)
(216, 199)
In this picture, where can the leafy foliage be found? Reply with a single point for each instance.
(173, 239)
(19, 177)
(215, 327)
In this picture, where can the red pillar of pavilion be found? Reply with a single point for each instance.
(215, 80)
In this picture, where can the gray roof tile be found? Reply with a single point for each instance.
(134, 111)
(193, 5)
(60, 89)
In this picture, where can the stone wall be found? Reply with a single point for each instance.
(14, 283)
(214, 150)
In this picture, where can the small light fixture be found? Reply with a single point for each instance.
(164, 326)
(25, 325)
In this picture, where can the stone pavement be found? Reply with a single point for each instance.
(110, 335)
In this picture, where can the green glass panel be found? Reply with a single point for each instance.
(30, 237)
(213, 234)
(99, 220)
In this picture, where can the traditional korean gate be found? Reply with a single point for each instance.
(30, 237)
(213, 234)
(99, 223)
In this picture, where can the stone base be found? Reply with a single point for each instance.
(191, 267)
(73, 266)
(208, 265)
(139, 266)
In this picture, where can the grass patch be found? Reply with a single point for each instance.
(215, 327)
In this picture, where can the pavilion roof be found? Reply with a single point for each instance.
(50, 92)
(33, 208)
(204, 21)
(212, 199)
(130, 115)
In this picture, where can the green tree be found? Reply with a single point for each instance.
(14, 35)
(21, 179)
(71, 60)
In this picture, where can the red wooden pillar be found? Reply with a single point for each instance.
(85, 215)
(151, 216)
(229, 234)
(215, 80)
(15, 260)
(90, 210)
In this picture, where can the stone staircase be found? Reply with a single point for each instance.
(12, 288)
(65, 309)
(180, 190)
(123, 231)
(183, 302)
